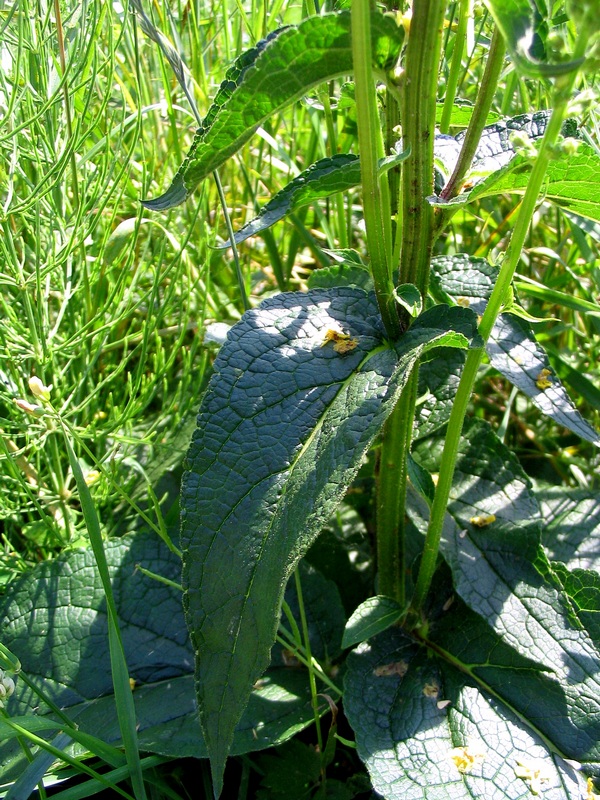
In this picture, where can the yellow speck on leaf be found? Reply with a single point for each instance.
(465, 758)
(132, 683)
(534, 773)
(463, 301)
(542, 381)
(591, 794)
(431, 690)
(482, 520)
(342, 342)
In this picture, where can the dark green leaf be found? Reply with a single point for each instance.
(571, 530)
(270, 76)
(427, 732)
(282, 431)
(370, 618)
(583, 588)
(55, 619)
(341, 275)
(501, 573)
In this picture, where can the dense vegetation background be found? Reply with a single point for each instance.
(108, 311)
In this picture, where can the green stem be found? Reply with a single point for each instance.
(422, 67)
(499, 295)
(311, 672)
(376, 211)
(422, 60)
(485, 97)
(464, 12)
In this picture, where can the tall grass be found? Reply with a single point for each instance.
(104, 303)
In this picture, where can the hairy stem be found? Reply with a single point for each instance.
(418, 119)
(375, 202)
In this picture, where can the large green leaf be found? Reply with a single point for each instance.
(55, 619)
(281, 433)
(270, 76)
(427, 731)
(493, 549)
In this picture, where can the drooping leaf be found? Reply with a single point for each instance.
(514, 352)
(427, 731)
(55, 619)
(270, 76)
(512, 347)
(515, 19)
(571, 529)
(300, 389)
(491, 541)
(322, 179)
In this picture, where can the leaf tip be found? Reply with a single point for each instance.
(174, 196)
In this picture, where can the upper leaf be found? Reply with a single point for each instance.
(279, 70)
(571, 182)
(300, 389)
(515, 19)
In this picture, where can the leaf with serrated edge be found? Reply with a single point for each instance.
(501, 573)
(425, 731)
(571, 529)
(281, 433)
(269, 77)
(322, 179)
